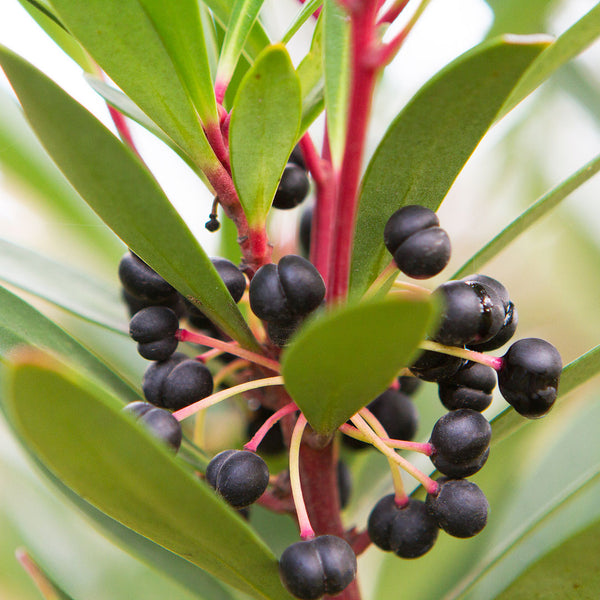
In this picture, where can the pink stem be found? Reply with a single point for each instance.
(363, 77)
(183, 335)
(204, 358)
(214, 136)
(393, 12)
(258, 437)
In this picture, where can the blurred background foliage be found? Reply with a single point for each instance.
(551, 271)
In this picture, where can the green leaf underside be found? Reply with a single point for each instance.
(312, 79)
(427, 145)
(342, 360)
(62, 285)
(528, 218)
(264, 127)
(569, 572)
(22, 325)
(336, 36)
(243, 16)
(304, 14)
(24, 159)
(135, 479)
(566, 47)
(123, 193)
(127, 43)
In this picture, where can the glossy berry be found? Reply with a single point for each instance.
(420, 247)
(409, 531)
(460, 508)
(155, 375)
(511, 318)
(472, 313)
(529, 376)
(459, 470)
(154, 329)
(470, 387)
(286, 291)
(175, 302)
(396, 412)
(293, 187)
(141, 281)
(313, 568)
(461, 435)
(239, 477)
(138, 408)
(188, 382)
(280, 332)
(297, 158)
(163, 425)
(433, 366)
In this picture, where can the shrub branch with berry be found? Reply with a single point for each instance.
(323, 340)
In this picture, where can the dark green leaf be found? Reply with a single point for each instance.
(535, 212)
(336, 37)
(569, 572)
(115, 184)
(128, 44)
(342, 360)
(429, 142)
(64, 286)
(244, 14)
(571, 43)
(24, 160)
(305, 12)
(264, 125)
(22, 325)
(312, 81)
(135, 478)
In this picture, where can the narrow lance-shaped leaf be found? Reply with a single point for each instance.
(243, 16)
(263, 130)
(308, 9)
(566, 47)
(114, 183)
(427, 145)
(127, 44)
(135, 478)
(22, 325)
(336, 36)
(528, 218)
(342, 360)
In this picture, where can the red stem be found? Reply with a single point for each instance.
(363, 77)
(393, 12)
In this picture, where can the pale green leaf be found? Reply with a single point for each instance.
(305, 12)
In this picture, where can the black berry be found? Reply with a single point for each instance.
(421, 249)
(162, 424)
(472, 313)
(463, 469)
(286, 291)
(409, 385)
(152, 324)
(187, 382)
(529, 376)
(433, 366)
(297, 158)
(155, 375)
(158, 350)
(280, 332)
(313, 568)
(470, 387)
(293, 187)
(461, 435)
(409, 531)
(460, 508)
(137, 409)
(141, 281)
(239, 477)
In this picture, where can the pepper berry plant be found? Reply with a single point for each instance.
(322, 340)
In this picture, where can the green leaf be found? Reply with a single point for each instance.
(22, 325)
(571, 43)
(514, 16)
(23, 160)
(305, 12)
(529, 217)
(45, 17)
(568, 572)
(135, 478)
(427, 145)
(115, 184)
(342, 360)
(243, 16)
(263, 130)
(129, 44)
(312, 80)
(336, 37)
(62, 285)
